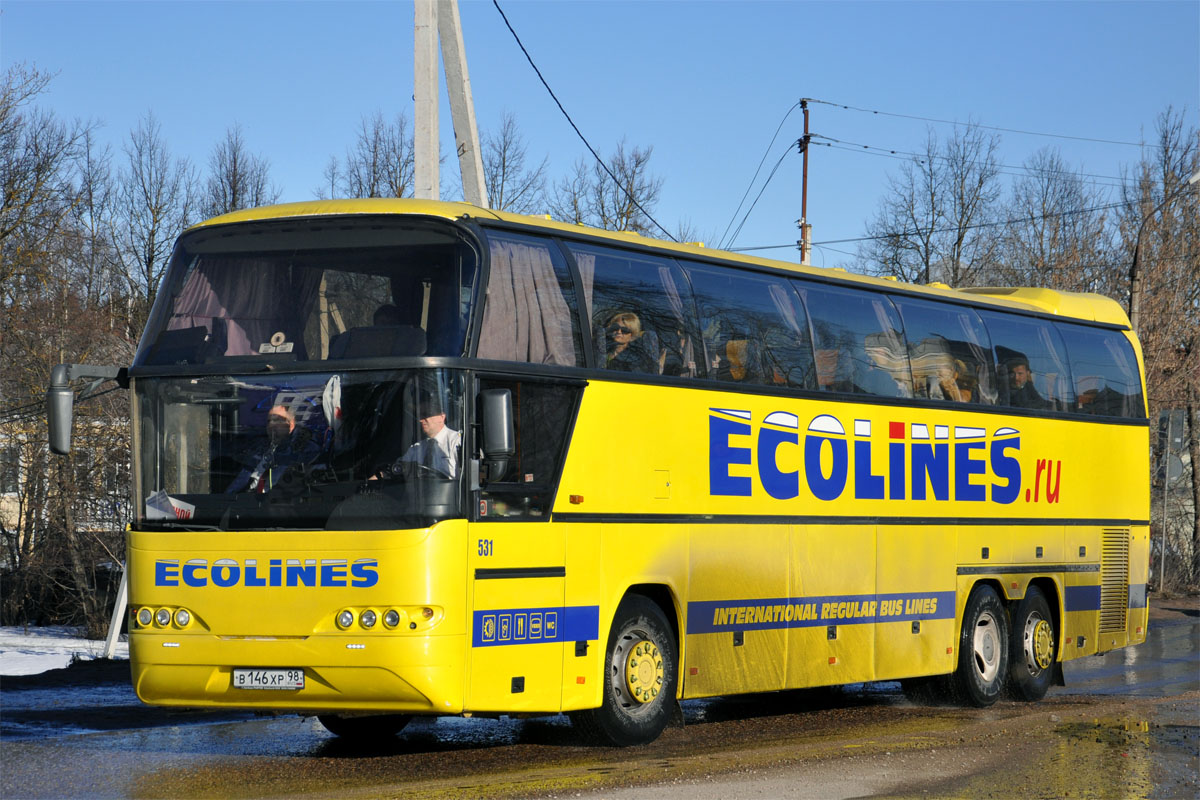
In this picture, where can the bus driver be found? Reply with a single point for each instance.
(439, 450)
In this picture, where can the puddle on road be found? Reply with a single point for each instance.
(1099, 758)
(1164, 665)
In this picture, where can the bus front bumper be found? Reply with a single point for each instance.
(395, 674)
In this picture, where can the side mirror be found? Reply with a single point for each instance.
(60, 399)
(499, 440)
(60, 409)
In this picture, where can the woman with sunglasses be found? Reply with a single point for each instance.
(625, 349)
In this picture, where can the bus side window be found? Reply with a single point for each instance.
(949, 351)
(530, 312)
(859, 341)
(755, 329)
(1105, 371)
(1031, 364)
(643, 316)
(543, 413)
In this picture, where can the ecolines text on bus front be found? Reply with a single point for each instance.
(924, 462)
(226, 572)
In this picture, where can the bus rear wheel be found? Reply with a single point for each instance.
(639, 678)
(982, 649)
(1033, 648)
(379, 726)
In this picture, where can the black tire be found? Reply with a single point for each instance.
(982, 650)
(379, 726)
(1033, 649)
(640, 676)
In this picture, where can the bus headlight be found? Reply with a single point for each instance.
(182, 618)
(163, 617)
(391, 619)
(345, 619)
(367, 619)
(144, 617)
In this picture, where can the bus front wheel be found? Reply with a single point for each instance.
(378, 726)
(982, 649)
(1033, 647)
(639, 678)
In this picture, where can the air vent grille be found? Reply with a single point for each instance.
(1114, 579)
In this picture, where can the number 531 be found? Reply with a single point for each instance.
(485, 547)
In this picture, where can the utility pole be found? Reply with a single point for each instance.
(805, 229)
(434, 20)
(425, 100)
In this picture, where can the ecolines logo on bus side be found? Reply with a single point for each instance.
(198, 572)
(923, 461)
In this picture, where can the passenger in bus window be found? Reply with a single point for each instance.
(1021, 392)
(739, 361)
(966, 382)
(626, 352)
(440, 448)
(677, 358)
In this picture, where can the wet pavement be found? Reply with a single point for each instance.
(1167, 663)
(1126, 724)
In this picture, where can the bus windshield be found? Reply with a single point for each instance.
(277, 294)
(341, 451)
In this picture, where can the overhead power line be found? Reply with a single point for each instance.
(749, 186)
(977, 125)
(737, 231)
(575, 127)
(1032, 218)
(908, 155)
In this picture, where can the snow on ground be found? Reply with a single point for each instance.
(28, 651)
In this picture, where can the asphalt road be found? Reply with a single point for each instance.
(1126, 725)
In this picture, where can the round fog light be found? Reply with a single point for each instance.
(163, 616)
(345, 619)
(427, 613)
(367, 620)
(182, 617)
(391, 619)
(144, 617)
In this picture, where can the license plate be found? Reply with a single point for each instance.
(290, 679)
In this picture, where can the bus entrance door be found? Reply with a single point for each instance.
(517, 577)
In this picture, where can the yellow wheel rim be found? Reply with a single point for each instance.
(1043, 644)
(643, 671)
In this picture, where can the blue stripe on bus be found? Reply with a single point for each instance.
(509, 626)
(714, 616)
(1082, 598)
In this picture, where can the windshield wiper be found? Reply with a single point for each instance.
(166, 524)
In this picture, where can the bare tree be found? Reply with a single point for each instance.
(590, 196)
(381, 163)
(237, 179)
(511, 185)
(36, 152)
(936, 221)
(156, 198)
(1056, 232)
(94, 262)
(57, 186)
(1159, 230)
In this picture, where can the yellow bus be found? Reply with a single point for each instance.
(398, 458)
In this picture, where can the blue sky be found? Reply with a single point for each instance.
(705, 83)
